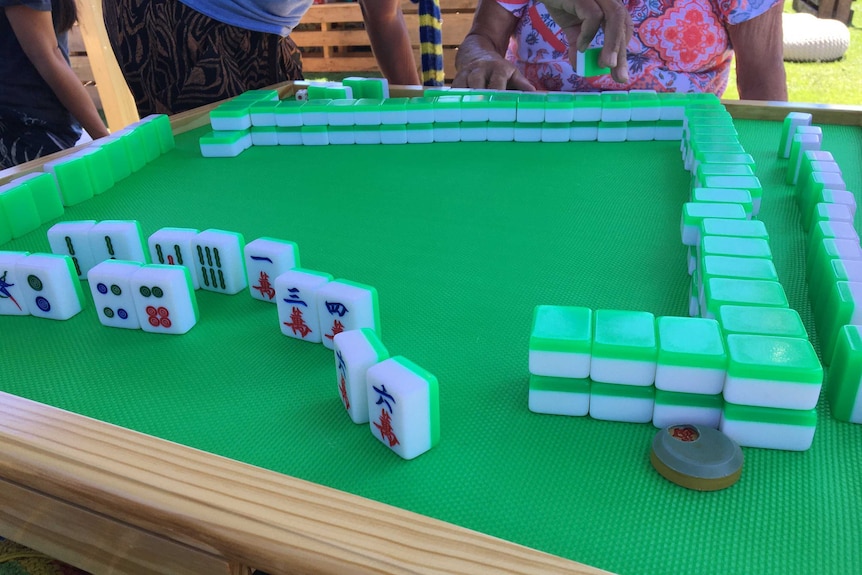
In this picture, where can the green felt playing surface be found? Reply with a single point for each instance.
(461, 241)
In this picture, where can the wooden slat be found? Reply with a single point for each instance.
(88, 541)
(340, 13)
(409, 7)
(455, 28)
(117, 101)
(825, 8)
(842, 11)
(315, 39)
(343, 64)
(252, 516)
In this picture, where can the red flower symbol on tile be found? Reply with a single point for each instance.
(158, 316)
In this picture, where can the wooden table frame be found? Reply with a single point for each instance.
(111, 500)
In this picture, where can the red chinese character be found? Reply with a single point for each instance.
(337, 327)
(385, 427)
(265, 288)
(342, 387)
(298, 323)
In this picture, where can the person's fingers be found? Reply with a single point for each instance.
(518, 82)
(460, 80)
(478, 78)
(592, 17)
(618, 30)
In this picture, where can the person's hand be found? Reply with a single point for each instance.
(488, 70)
(580, 20)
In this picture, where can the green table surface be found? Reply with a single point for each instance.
(461, 242)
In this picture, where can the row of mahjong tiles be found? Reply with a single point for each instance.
(260, 118)
(748, 210)
(564, 341)
(37, 198)
(130, 293)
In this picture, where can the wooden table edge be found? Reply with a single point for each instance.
(248, 515)
(258, 517)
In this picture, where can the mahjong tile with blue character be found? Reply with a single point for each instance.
(111, 288)
(265, 260)
(164, 298)
(50, 286)
(403, 406)
(344, 305)
(219, 262)
(118, 240)
(12, 300)
(297, 303)
(173, 247)
(356, 351)
(73, 239)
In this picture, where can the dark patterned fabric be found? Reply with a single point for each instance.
(25, 137)
(175, 58)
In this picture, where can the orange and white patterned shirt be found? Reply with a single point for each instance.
(677, 46)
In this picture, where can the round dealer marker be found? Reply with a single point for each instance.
(696, 457)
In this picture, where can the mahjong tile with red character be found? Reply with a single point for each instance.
(344, 305)
(297, 303)
(265, 260)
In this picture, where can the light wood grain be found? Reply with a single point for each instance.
(116, 99)
(247, 515)
(94, 542)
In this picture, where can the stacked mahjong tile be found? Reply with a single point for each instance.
(834, 259)
(742, 362)
(150, 284)
(349, 113)
(31, 200)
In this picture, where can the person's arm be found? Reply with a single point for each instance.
(759, 48)
(35, 32)
(390, 42)
(480, 61)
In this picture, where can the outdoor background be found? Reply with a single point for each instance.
(838, 82)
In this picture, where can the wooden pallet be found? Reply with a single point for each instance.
(81, 64)
(834, 9)
(333, 39)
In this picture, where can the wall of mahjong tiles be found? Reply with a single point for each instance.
(461, 242)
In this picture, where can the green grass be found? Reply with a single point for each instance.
(838, 82)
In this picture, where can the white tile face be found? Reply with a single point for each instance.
(49, 285)
(343, 306)
(118, 240)
(768, 435)
(707, 381)
(72, 239)
(265, 260)
(558, 402)
(12, 299)
(173, 247)
(765, 393)
(559, 364)
(355, 352)
(111, 287)
(400, 408)
(296, 300)
(622, 371)
(164, 298)
(219, 262)
(666, 415)
(627, 409)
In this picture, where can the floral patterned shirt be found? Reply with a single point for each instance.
(677, 46)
